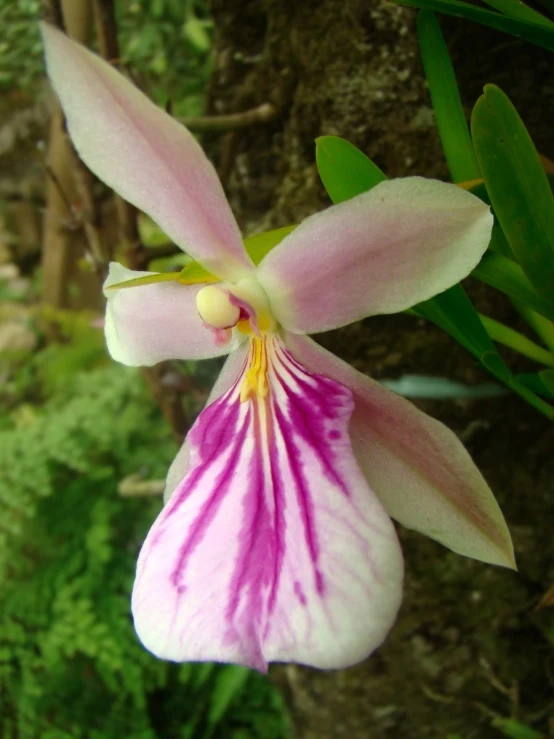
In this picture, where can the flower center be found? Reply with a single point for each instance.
(243, 304)
(215, 307)
(254, 384)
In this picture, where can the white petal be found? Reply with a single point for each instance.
(273, 548)
(234, 364)
(151, 323)
(381, 252)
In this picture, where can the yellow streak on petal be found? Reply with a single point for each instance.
(255, 381)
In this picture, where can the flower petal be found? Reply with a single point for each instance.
(418, 468)
(151, 323)
(234, 364)
(145, 155)
(381, 252)
(273, 548)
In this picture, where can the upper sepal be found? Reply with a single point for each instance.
(144, 155)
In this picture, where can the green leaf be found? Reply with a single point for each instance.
(517, 185)
(515, 729)
(229, 683)
(537, 34)
(520, 343)
(541, 383)
(261, 244)
(520, 11)
(146, 280)
(150, 233)
(345, 170)
(449, 113)
(453, 311)
(195, 274)
(508, 277)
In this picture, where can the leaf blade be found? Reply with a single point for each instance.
(449, 113)
(517, 185)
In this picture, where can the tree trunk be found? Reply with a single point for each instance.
(467, 645)
(65, 283)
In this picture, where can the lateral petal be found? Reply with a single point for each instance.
(145, 155)
(380, 252)
(151, 323)
(418, 468)
(273, 547)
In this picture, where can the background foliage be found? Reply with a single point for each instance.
(70, 663)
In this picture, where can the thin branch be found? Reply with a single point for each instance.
(168, 399)
(91, 219)
(106, 28)
(53, 13)
(134, 486)
(233, 121)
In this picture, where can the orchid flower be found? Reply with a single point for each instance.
(276, 541)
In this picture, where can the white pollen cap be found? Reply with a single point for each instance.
(215, 308)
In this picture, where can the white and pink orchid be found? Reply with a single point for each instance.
(276, 543)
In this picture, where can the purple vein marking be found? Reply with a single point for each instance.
(211, 507)
(300, 411)
(303, 497)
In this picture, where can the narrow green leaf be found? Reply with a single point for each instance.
(537, 34)
(507, 336)
(508, 277)
(493, 362)
(515, 729)
(150, 233)
(202, 673)
(540, 325)
(449, 113)
(229, 683)
(541, 383)
(261, 244)
(146, 280)
(453, 311)
(345, 170)
(520, 11)
(517, 186)
(194, 274)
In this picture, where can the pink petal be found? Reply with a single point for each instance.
(418, 468)
(381, 252)
(145, 155)
(151, 323)
(273, 547)
(234, 365)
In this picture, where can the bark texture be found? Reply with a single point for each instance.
(65, 283)
(468, 645)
